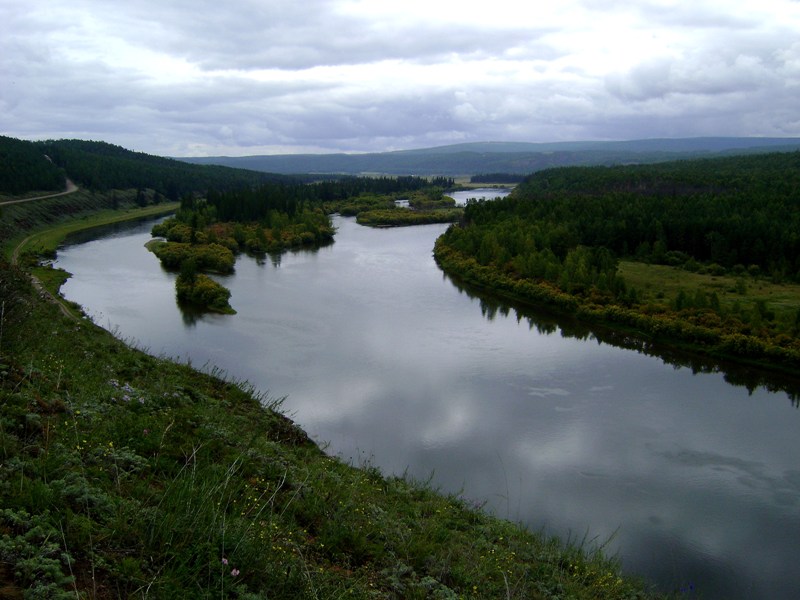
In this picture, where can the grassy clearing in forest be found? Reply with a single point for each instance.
(660, 285)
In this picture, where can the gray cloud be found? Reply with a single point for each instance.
(254, 76)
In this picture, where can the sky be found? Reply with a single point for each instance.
(244, 77)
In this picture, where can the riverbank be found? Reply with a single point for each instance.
(45, 241)
(126, 474)
(699, 331)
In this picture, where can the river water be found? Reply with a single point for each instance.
(693, 482)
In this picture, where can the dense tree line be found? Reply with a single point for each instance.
(497, 178)
(350, 187)
(260, 203)
(734, 211)
(430, 198)
(24, 167)
(101, 166)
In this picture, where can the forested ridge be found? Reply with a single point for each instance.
(24, 168)
(559, 239)
(517, 158)
(101, 166)
(740, 210)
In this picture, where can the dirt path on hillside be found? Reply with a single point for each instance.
(71, 188)
(40, 289)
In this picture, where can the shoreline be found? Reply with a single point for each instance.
(670, 332)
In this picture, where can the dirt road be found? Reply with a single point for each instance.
(71, 188)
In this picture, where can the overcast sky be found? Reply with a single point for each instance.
(239, 77)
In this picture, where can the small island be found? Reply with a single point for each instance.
(424, 207)
(208, 232)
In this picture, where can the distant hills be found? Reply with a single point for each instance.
(503, 157)
(41, 166)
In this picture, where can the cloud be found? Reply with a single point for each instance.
(251, 76)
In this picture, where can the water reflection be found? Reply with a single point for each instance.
(190, 315)
(491, 193)
(543, 322)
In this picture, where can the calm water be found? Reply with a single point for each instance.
(386, 360)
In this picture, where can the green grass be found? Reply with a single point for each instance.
(399, 217)
(125, 475)
(78, 210)
(52, 279)
(660, 285)
(48, 239)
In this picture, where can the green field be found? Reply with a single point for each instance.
(660, 285)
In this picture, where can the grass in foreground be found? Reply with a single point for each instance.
(124, 475)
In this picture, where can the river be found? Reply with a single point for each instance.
(693, 482)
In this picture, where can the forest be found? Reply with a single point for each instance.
(563, 237)
(24, 168)
(497, 178)
(740, 210)
(101, 166)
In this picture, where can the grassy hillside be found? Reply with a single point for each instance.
(17, 221)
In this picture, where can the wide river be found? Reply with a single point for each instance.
(693, 482)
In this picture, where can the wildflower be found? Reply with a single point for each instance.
(224, 561)
(234, 572)
(687, 589)
(147, 432)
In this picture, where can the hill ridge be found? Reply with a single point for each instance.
(472, 158)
